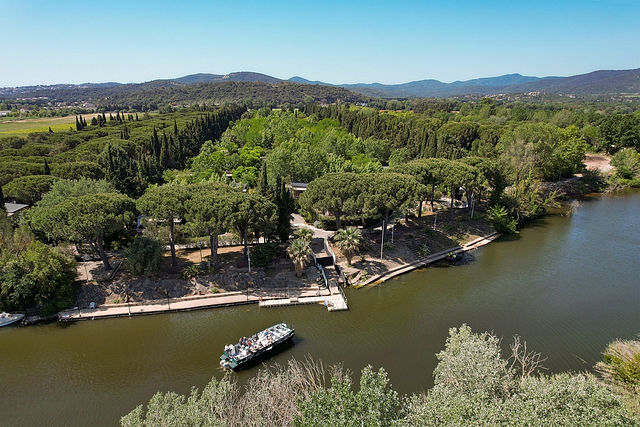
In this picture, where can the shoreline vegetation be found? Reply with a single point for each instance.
(359, 170)
(475, 384)
(403, 183)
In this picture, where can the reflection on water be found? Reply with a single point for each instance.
(567, 284)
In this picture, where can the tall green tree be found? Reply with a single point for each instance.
(30, 189)
(165, 204)
(122, 171)
(286, 205)
(388, 192)
(3, 209)
(86, 219)
(207, 213)
(251, 213)
(338, 193)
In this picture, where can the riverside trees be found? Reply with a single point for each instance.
(82, 212)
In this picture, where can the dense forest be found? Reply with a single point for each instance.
(160, 96)
(363, 165)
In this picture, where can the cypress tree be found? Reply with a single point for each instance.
(2, 207)
(263, 186)
(47, 171)
(78, 125)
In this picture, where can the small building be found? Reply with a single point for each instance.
(297, 188)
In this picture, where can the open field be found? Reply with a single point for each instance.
(26, 126)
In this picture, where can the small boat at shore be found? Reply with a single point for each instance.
(256, 347)
(7, 318)
(453, 257)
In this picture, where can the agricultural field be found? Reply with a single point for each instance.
(27, 126)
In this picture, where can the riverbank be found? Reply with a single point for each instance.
(407, 267)
(330, 297)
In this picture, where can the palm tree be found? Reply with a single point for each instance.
(304, 234)
(299, 251)
(348, 241)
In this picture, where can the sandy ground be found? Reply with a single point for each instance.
(598, 161)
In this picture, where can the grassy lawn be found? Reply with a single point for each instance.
(26, 126)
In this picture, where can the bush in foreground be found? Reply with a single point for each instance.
(474, 386)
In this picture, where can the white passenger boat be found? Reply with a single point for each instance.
(250, 350)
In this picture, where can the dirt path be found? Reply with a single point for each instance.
(598, 161)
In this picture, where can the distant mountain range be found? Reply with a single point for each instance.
(595, 83)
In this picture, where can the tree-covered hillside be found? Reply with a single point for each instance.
(154, 95)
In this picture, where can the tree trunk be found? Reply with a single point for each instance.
(469, 194)
(338, 219)
(213, 243)
(100, 251)
(172, 245)
(420, 209)
(452, 196)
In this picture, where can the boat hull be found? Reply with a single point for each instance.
(8, 319)
(235, 363)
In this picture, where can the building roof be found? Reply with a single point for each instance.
(14, 207)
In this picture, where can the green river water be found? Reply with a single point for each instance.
(567, 284)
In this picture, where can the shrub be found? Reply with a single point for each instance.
(501, 220)
(193, 271)
(423, 250)
(144, 257)
(263, 254)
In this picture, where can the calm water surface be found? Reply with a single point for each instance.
(567, 284)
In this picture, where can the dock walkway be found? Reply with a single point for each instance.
(430, 259)
(334, 300)
(275, 297)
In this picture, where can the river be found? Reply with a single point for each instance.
(567, 284)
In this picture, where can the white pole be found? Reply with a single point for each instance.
(249, 255)
(382, 242)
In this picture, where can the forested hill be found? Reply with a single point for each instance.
(253, 93)
(595, 83)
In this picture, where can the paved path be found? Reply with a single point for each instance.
(405, 268)
(225, 299)
(299, 222)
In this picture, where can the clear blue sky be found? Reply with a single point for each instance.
(48, 42)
